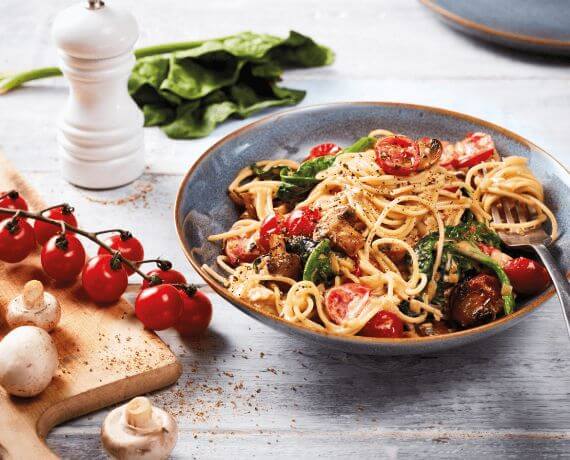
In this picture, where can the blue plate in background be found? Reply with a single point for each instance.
(204, 208)
(541, 26)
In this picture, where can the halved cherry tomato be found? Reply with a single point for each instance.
(241, 249)
(384, 324)
(196, 313)
(302, 221)
(323, 149)
(12, 200)
(44, 230)
(397, 155)
(527, 276)
(474, 149)
(346, 301)
(17, 240)
(129, 247)
(271, 224)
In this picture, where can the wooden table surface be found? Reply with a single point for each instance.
(248, 391)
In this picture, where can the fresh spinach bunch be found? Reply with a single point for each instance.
(188, 92)
(295, 185)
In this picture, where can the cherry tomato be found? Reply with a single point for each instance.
(44, 231)
(241, 249)
(397, 155)
(17, 240)
(384, 324)
(474, 149)
(323, 149)
(302, 221)
(196, 313)
(63, 257)
(169, 276)
(527, 276)
(159, 307)
(346, 301)
(11, 200)
(129, 247)
(104, 278)
(270, 225)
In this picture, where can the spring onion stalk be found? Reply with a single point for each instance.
(10, 82)
(469, 250)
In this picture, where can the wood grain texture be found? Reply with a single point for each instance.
(105, 355)
(506, 398)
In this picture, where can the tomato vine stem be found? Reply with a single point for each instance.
(19, 213)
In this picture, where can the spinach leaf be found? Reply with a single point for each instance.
(297, 184)
(318, 268)
(469, 230)
(361, 145)
(189, 92)
(273, 173)
(301, 246)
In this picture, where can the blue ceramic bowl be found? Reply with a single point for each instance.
(539, 26)
(204, 208)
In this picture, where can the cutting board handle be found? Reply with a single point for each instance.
(21, 441)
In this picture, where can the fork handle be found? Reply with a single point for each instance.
(558, 279)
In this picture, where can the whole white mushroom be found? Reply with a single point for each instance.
(28, 361)
(137, 430)
(34, 307)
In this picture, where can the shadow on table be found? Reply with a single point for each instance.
(494, 384)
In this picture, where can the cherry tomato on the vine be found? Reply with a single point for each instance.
(104, 278)
(323, 149)
(17, 240)
(11, 200)
(63, 257)
(196, 313)
(397, 155)
(526, 275)
(159, 307)
(169, 276)
(129, 247)
(44, 230)
(346, 301)
(384, 324)
(270, 225)
(302, 221)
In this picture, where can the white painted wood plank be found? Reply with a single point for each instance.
(372, 38)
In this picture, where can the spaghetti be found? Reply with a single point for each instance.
(363, 240)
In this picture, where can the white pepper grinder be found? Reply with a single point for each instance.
(101, 129)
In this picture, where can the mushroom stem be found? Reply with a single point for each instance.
(138, 412)
(33, 295)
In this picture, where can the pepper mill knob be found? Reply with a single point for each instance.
(101, 129)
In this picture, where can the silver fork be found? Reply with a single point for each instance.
(538, 240)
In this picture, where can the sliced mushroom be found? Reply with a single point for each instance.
(476, 301)
(137, 430)
(34, 307)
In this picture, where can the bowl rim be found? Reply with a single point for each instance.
(491, 32)
(355, 339)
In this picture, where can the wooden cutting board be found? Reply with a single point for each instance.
(105, 354)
